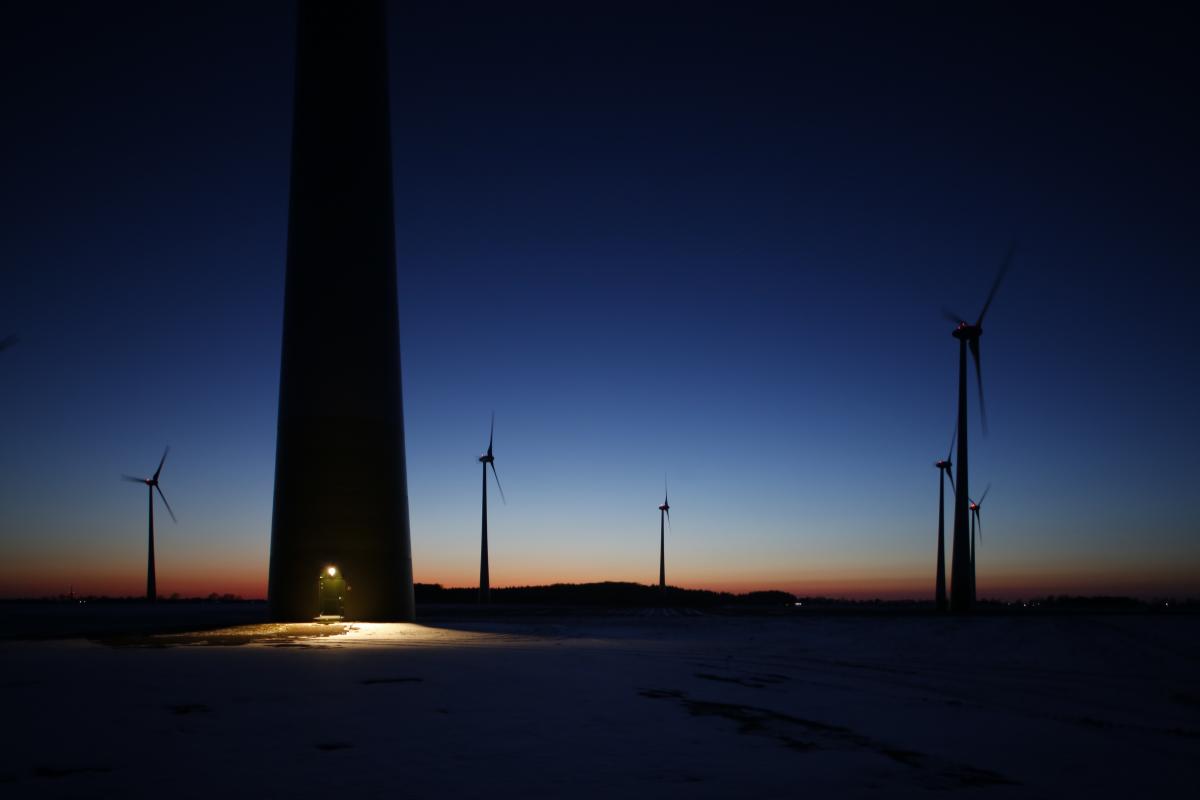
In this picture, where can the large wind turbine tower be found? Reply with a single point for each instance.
(152, 486)
(967, 334)
(943, 467)
(485, 585)
(976, 522)
(664, 515)
(341, 495)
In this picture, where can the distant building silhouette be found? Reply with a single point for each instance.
(341, 496)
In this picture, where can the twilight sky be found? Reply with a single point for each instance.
(706, 241)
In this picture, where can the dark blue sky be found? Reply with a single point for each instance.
(707, 241)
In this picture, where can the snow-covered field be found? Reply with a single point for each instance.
(615, 706)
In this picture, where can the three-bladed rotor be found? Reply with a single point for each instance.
(665, 506)
(975, 508)
(945, 464)
(152, 482)
(487, 458)
(970, 333)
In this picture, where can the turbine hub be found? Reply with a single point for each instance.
(486, 459)
(967, 332)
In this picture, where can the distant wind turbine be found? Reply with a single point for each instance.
(664, 515)
(152, 485)
(961, 591)
(485, 592)
(976, 522)
(943, 468)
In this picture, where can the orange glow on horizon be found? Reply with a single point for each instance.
(244, 574)
(249, 582)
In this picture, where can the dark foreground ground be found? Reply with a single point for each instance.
(648, 702)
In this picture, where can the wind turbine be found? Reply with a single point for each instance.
(485, 592)
(943, 468)
(976, 521)
(664, 515)
(968, 337)
(151, 485)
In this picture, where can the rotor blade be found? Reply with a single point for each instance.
(165, 503)
(665, 495)
(985, 491)
(951, 477)
(950, 315)
(668, 516)
(979, 383)
(1012, 247)
(979, 524)
(161, 462)
(132, 479)
(498, 486)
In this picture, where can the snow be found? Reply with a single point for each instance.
(633, 704)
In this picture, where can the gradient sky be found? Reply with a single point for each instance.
(710, 242)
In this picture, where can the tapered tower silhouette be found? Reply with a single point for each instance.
(152, 486)
(961, 585)
(485, 587)
(664, 516)
(341, 496)
(976, 523)
(943, 473)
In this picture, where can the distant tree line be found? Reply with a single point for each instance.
(175, 597)
(612, 594)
